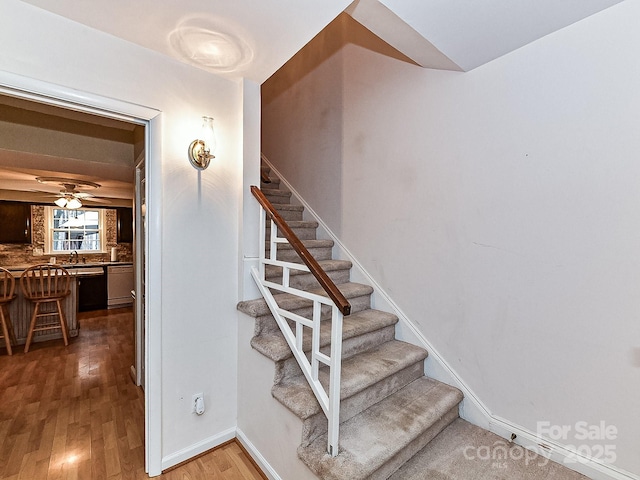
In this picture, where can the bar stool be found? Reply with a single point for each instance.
(7, 287)
(42, 284)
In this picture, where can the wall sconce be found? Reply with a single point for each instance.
(201, 150)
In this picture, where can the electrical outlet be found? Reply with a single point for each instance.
(197, 403)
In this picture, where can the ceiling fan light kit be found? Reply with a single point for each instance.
(69, 197)
(70, 203)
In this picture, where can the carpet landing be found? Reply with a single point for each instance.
(466, 452)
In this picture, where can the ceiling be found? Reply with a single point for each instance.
(252, 39)
(469, 33)
(236, 38)
(43, 140)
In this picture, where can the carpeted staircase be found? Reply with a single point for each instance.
(390, 412)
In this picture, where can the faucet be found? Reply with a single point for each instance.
(71, 256)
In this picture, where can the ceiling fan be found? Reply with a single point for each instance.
(69, 197)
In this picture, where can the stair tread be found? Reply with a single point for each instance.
(274, 346)
(449, 455)
(258, 306)
(327, 266)
(373, 437)
(358, 373)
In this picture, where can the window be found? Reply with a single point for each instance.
(81, 230)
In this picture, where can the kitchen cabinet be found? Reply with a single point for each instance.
(124, 224)
(15, 219)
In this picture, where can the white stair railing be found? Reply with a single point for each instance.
(310, 366)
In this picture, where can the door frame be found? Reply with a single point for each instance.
(43, 92)
(139, 268)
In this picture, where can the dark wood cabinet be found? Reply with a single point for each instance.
(15, 222)
(125, 224)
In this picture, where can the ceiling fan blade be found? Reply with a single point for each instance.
(96, 199)
(70, 191)
(51, 194)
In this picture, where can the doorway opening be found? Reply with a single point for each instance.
(103, 111)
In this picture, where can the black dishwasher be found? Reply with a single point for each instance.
(92, 290)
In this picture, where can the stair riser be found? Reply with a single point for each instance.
(350, 347)
(303, 233)
(414, 447)
(265, 323)
(279, 198)
(308, 281)
(290, 255)
(275, 184)
(361, 343)
(315, 426)
(290, 215)
(273, 345)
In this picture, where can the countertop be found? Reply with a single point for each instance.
(69, 266)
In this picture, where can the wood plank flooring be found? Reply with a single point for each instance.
(74, 413)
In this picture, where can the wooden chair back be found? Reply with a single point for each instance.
(7, 286)
(42, 282)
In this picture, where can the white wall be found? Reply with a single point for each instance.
(266, 427)
(499, 208)
(199, 213)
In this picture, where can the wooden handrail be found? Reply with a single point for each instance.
(314, 267)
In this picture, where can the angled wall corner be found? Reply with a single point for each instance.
(384, 23)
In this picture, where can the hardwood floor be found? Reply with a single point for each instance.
(74, 413)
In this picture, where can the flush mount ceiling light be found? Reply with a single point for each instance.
(209, 44)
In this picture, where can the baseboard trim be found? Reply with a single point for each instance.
(472, 409)
(592, 468)
(197, 448)
(266, 468)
